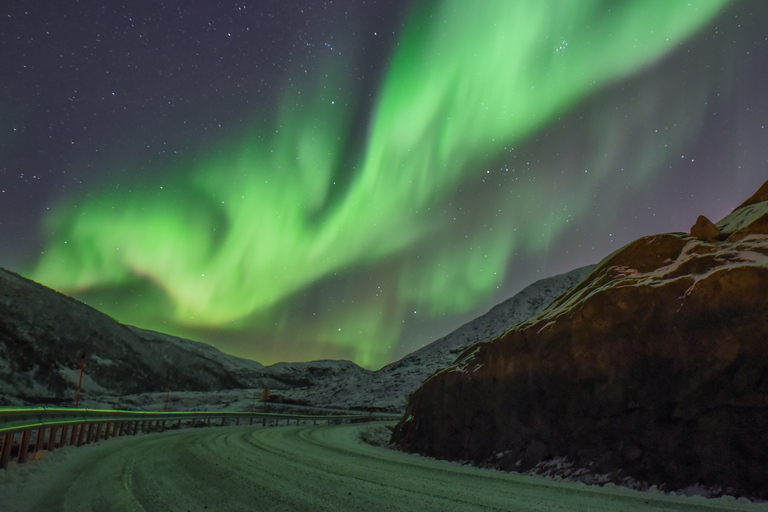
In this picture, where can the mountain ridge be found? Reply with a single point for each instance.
(43, 334)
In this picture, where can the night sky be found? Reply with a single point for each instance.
(296, 180)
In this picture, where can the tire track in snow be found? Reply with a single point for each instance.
(293, 469)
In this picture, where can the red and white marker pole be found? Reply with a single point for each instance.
(80, 382)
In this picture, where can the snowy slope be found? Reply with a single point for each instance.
(390, 386)
(343, 384)
(43, 334)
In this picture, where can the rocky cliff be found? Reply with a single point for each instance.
(654, 367)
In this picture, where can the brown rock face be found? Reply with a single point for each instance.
(704, 229)
(655, 366)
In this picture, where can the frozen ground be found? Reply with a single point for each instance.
(295, 469)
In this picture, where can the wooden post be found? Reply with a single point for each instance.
(107, 429)
(72, 438)
(39, 440)
(178, 425)
(5, 453)
(81, 434)
(63, 439)
(52, 438)
(24, 446)
(265, 394)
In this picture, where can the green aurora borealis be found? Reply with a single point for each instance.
(246, 239)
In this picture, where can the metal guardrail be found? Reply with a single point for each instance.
(50, 428)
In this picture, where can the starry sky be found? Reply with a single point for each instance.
(297, 180)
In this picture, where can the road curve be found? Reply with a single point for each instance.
(295, 468)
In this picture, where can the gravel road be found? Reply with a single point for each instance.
(297, 468)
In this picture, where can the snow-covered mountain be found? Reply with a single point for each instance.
(390, 386)
(43, 335)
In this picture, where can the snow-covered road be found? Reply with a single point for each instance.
(294, 469)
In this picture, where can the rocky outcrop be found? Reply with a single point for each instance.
(655, 367)
(705, 229)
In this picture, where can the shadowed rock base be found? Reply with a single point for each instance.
(654, 366)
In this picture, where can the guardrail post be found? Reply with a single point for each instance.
(107, 429)
(63, 439)
(24, 446)
(5, 454)
(39, 440)
(81, 434)
(74, 435)
(52, 438)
